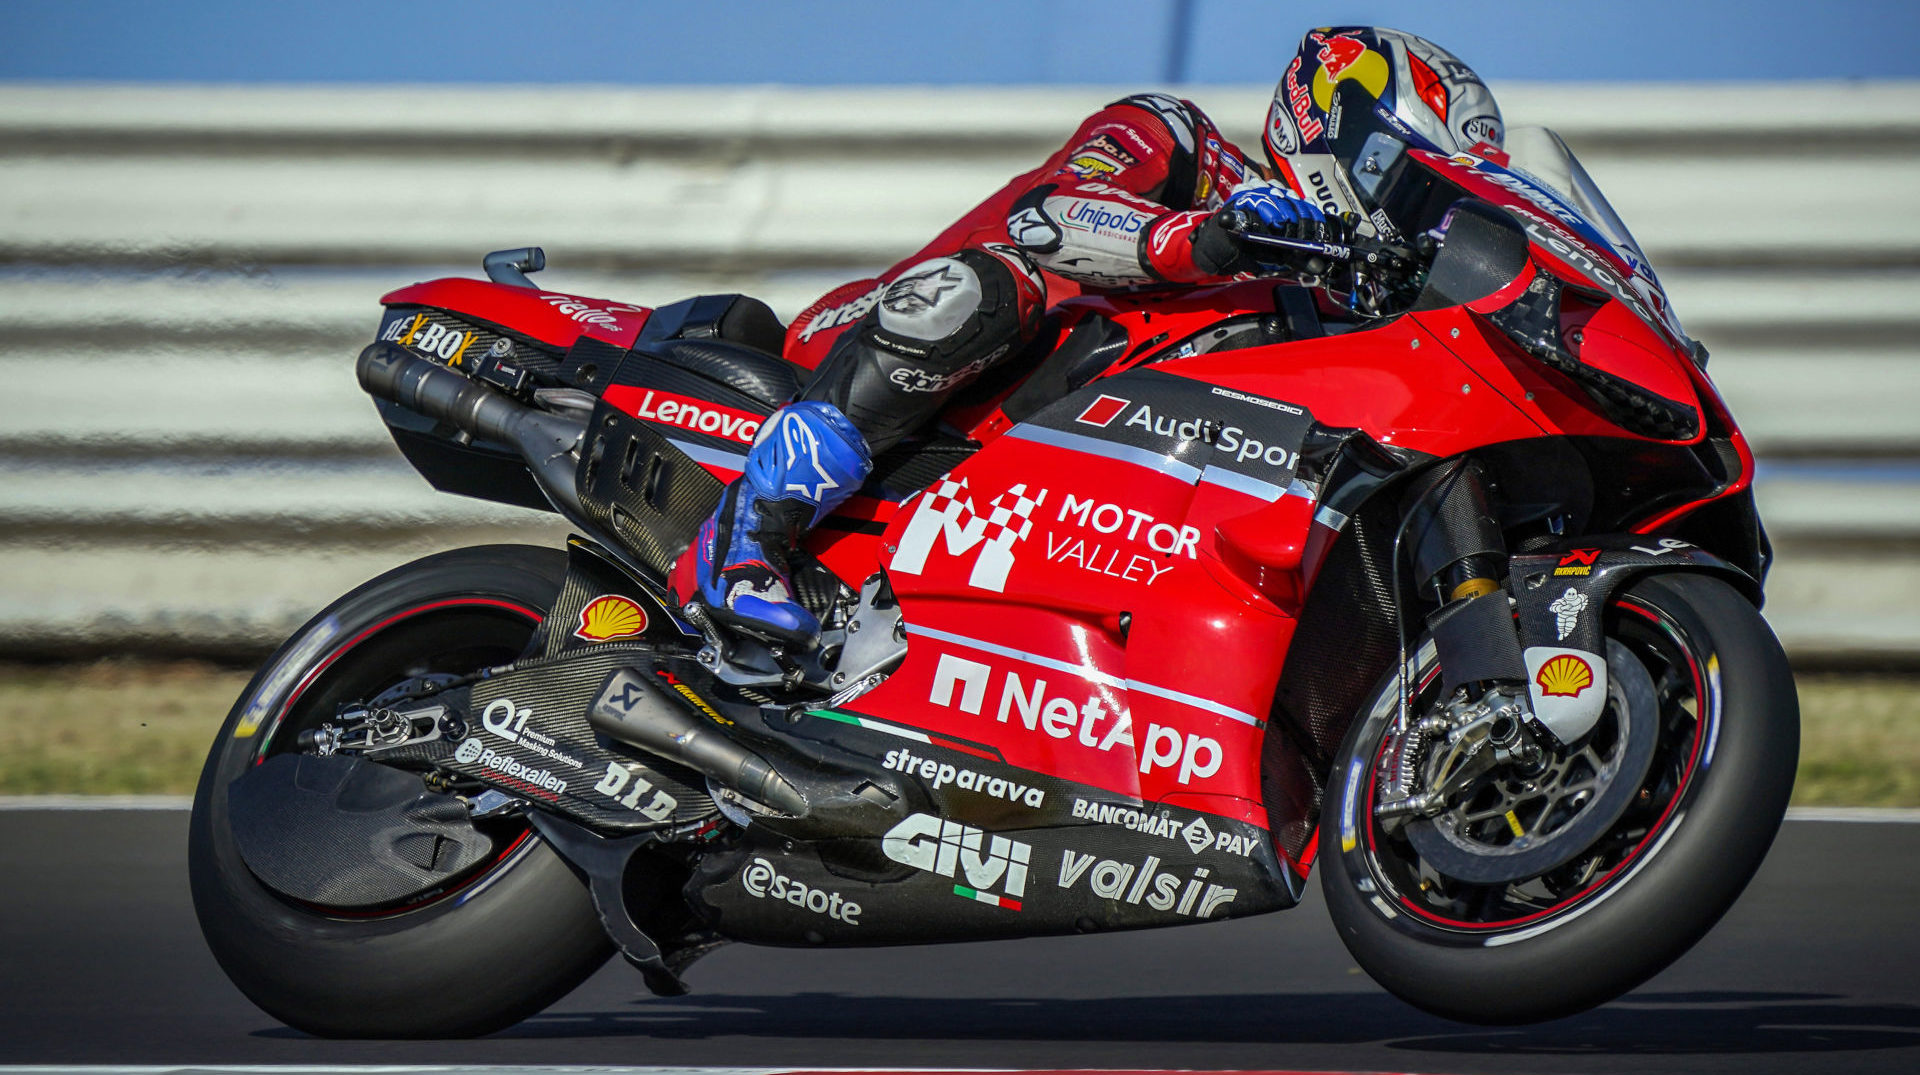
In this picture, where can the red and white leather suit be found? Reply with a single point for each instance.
(1116, 206)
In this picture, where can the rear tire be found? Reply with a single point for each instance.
(502, 943)
(1659, 879)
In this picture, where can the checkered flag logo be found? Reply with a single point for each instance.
(946, 512)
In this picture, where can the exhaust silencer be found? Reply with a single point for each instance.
(391, 372)
(633, 709)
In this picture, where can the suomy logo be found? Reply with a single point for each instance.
(950, 849)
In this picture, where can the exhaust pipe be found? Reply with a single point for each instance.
(546, 441)
(633, 709)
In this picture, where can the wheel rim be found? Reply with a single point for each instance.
(1686, 693)
(489, 631)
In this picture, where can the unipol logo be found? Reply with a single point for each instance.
(946, 513)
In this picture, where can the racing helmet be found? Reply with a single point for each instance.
(1353, 99)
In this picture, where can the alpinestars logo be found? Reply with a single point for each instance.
(947, 511)
(844, 314)
(803, 446)
(921, 291)
(950, 849)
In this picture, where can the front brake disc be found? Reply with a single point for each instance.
(1532, 839)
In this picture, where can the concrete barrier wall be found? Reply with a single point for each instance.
(186, 273)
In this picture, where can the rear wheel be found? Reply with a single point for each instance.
(470, 955)
(1446, 913)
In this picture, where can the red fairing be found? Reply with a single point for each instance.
(1017, 643)
(548, 316)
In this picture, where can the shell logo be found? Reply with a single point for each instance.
(610, 616)
(1564, 676)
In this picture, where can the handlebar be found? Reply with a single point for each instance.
(1358, 251)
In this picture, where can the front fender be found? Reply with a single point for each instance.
(1562, 593)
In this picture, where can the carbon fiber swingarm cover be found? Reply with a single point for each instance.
(347, 832)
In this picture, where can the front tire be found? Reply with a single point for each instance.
(1645, 891)
(469, 957)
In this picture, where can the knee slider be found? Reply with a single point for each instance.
(950, 317)
(808, 452)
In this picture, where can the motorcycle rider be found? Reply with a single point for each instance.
(1135, 197)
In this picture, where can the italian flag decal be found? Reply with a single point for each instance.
(986, 897)
(915, 735)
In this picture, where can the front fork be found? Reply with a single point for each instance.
(1451, 539)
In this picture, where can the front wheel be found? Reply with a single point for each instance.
(1452, 931)
(467, 955)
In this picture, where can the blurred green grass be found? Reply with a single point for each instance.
(134, 727)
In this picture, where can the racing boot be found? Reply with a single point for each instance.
(807, 459)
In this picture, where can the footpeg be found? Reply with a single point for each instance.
(634, 709)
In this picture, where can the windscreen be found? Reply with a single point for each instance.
(1545, 188)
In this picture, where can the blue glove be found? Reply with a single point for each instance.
(1278, 208)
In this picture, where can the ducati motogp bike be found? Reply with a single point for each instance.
(1441, 574)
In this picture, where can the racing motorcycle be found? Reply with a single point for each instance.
(1441, 573)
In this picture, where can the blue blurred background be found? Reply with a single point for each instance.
(979, 41)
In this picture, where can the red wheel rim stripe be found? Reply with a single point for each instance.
(341, 650)
(1654, 830)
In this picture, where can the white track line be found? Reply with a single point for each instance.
(1866, 814)
(1852, 813)
(95, 802)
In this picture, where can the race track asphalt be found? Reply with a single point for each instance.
(1817, 969)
